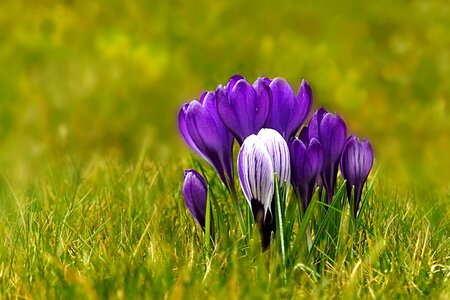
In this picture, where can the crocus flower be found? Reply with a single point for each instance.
(260, 157)
(194, 194)
(288, 112)
(205, 133)
(243, 107)
(306, 164)
(356, 163)
(279, 153)
(330, 130)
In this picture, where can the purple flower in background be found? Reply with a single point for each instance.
(314, 123)
(306, 165)
(356, 163)
(288, 112)
(205, 133)
(260, 157)
(194, 194)
(243, 107)
(330, 130)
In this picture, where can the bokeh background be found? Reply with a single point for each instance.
(103, 79)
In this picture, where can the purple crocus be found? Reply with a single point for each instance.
(243, 107)
(288, 112)
(260, 157)
(356, 163)
(204, 132)
(306, 164)
(330, 130)
(194, 194)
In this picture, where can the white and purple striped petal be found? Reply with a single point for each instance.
(279, 153)
(256, 173)
(260, 157)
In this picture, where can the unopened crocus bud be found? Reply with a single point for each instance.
(203, 130)
(195, 193)
(330, 130)
(306, 165)
(260, 157)
(356, 163)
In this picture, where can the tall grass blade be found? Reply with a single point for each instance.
(279, 223)
(367, 195)
(208, 224)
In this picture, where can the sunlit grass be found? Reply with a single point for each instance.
(121, 230)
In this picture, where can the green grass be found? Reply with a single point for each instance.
(121, 230)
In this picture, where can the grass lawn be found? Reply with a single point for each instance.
(120, 230)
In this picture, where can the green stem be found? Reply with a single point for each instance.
(238, 207)
(280, 225)
(308, 237)
(248, 219)
(208, 224)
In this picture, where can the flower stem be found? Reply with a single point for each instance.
(238, 207)
(280, 225)
(308, 237)
(208, 224)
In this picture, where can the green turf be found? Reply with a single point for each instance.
(121, 230)
(91, 163)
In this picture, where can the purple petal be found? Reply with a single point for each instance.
(300, 109)
(210, 105)
(185, 133)
(298, 154)
(243, 112)
(195, 194)
(243, 99)
(225, 150)
(332, 136)
(262, 104)
(202, 97)
(233, 80)
(356, 163)
(266, 80)
(227, 113)
(348, 161)
(368, 158)
(304, 135)
(306, 164)
(282, 102)
(315, 159)
(207, 137)
(202, 128)
(314, 123)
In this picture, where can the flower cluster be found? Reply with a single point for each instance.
(264, 118)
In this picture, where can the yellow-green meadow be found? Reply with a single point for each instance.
(92, 161)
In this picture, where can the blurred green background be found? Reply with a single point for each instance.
(84, 79)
